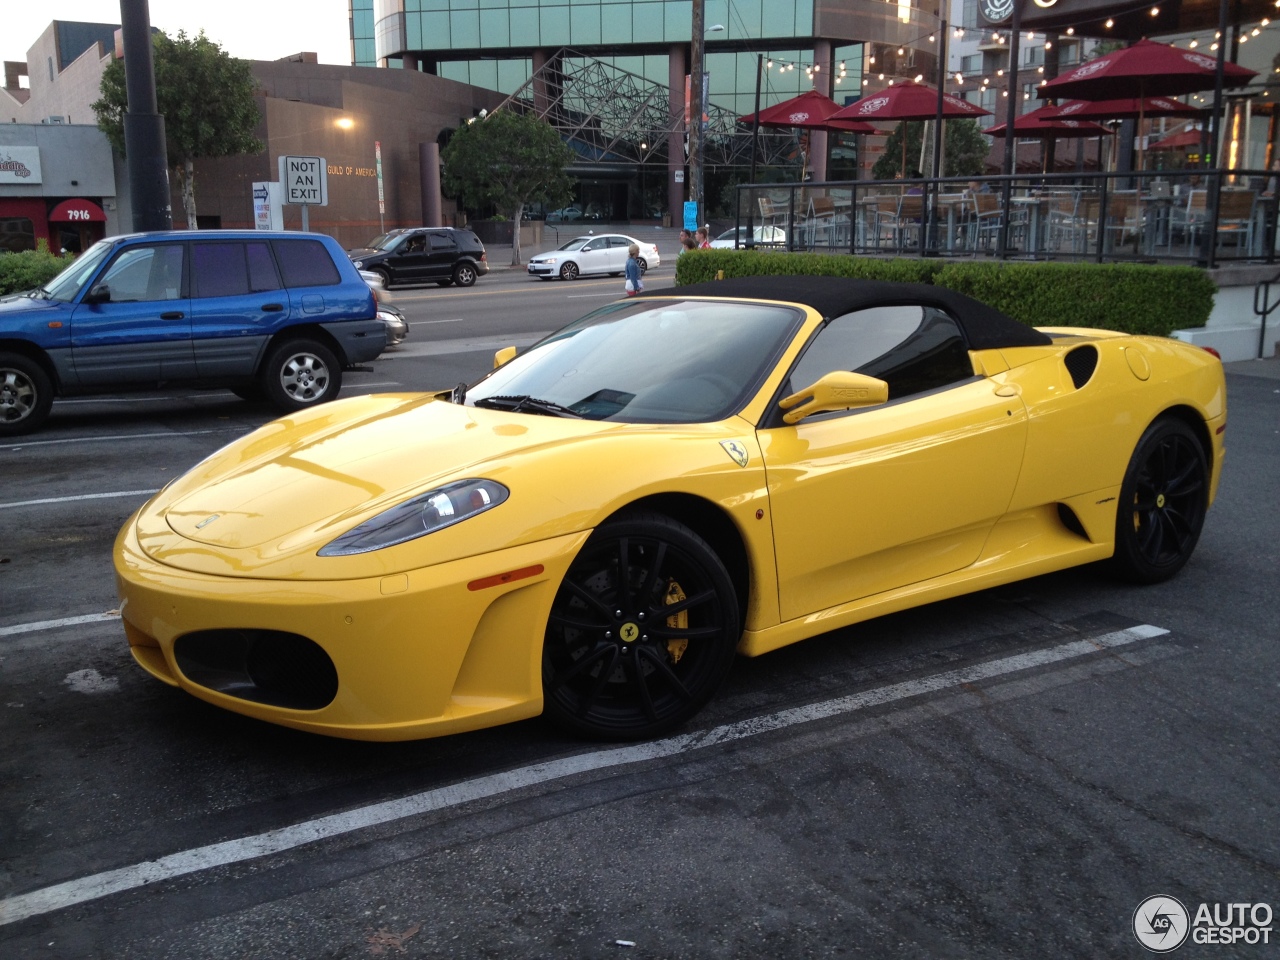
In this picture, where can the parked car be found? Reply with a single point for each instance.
(599, 525)
(565, 214)
(603, 253)
(388, 312)
(442, 255)
(273, 316)
(738, 239)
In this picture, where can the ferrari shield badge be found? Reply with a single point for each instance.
(736, 451)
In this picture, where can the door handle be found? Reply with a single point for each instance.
(172, 315)
(273, 307)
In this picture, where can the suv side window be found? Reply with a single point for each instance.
(441, 243)
(146, 272)
(233, 269)
(912, 348)
(305, 263)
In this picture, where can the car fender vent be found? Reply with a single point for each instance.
(1068, 519)
(264, 666)
(1080, 363)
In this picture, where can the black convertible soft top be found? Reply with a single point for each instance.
(984, 327)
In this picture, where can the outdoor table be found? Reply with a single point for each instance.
(951, 203)
(1035, 225)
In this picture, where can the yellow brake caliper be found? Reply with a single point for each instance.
(677, 621)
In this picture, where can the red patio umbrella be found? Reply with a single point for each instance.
(1147, 68)
(1187, 138)
(908, 101)
(1045, 124)
(811, 110)
(1123, 109)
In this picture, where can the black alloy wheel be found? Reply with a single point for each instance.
(642, 631)
(464, 275)
(1163, 501)
(26, 394)
(569, 271)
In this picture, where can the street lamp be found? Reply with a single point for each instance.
(698, 104)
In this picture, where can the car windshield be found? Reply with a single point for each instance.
(67, 284)
(650, 361)
(385, 241)
(577, 243)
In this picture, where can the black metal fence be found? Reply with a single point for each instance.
(1195, 216)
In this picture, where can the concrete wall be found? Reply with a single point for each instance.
(301, 106)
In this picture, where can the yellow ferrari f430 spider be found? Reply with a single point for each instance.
(596, 528)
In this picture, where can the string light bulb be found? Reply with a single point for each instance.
(1110, 23)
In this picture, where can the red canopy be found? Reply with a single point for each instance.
(1124, 109)
(1143, 69)
(811, 110)
(908, 101)
(77, 211)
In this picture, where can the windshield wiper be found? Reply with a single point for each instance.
(526, 402)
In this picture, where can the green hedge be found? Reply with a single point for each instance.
(1133, 298)
(28, 269)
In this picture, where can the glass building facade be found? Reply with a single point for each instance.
(498, 45)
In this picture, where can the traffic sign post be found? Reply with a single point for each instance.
(305, 182)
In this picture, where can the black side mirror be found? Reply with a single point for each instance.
(100, 293)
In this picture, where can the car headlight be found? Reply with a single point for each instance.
(425, 513)
(358, 264)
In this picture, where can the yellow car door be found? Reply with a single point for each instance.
(870, 499)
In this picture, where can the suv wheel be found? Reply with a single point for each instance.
(464, 275)
(384, 274)
(301, 373)
(26, 394)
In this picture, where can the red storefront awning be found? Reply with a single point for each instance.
(77, 211)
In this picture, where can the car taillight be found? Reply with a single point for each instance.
(484, 256)
(1213, 351)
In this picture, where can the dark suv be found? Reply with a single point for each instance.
(273, 316)
(442, 255)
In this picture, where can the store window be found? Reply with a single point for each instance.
(17, 234)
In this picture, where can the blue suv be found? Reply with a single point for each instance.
(272, 316)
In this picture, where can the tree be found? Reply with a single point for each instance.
(965, 153)
(206, 97)
(507, 160)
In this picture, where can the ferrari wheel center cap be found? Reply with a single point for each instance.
(629, 632)
(1160, 500)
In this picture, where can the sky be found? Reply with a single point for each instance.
(261, 30)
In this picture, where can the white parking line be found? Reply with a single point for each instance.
(593, 296)
(98, 885)
(83, 496)
(118, 436)
(37, 625)
(423, 323)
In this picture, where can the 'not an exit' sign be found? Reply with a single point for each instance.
(305, 180)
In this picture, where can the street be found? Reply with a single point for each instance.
(1006, 774)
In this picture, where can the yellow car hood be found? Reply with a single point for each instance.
(345, 467)
(264, 505)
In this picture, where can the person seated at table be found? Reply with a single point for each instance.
(915, 189)
(979, 186)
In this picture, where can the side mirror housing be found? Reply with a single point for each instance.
(100, 293)
(503, 356)
(838, 390)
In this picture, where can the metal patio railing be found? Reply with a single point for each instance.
(1200, 217)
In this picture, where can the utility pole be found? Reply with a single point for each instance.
(696, 107)
(144, 143)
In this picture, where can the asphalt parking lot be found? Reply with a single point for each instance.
(1007, 774)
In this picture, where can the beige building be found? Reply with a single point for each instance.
(343, 114)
